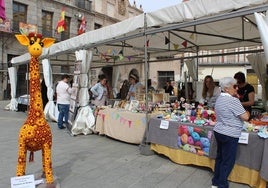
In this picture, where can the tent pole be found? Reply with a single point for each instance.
(197, 77)
(145, 146)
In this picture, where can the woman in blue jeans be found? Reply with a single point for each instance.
(230, 115)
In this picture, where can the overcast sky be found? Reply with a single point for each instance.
(152, 5)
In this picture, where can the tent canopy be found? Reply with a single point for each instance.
(190, 26)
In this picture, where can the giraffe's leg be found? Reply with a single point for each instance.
(43, 163)
(47, 163)
(21, 158)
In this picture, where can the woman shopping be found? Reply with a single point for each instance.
(230, 115)
(99, 90)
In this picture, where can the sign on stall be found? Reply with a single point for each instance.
(164, 124)
(243, 139)
(23, 181)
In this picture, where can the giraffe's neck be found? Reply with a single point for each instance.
(36, 103)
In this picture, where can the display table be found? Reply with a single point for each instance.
(121, 124)
(251, 160)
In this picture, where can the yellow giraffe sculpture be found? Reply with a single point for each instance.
(35, 134)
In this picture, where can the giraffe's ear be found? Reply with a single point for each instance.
(48, 42)
(23, 39)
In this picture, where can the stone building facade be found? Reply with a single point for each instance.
(44, 15)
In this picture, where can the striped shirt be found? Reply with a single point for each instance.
(228, 109)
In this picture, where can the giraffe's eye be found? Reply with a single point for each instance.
(41, 44)
(31, 42)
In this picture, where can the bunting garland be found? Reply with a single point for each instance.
(111, 54)
(114, 55)
(122, 120)
(184, 43)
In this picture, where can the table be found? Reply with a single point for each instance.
(121, 124)
(251, 160)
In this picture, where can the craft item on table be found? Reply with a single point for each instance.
(174, 117)
(176, 105)
(199, 122)
(183, 118)
(35, 134)
(259, 122)
(194, 139)
(263, 132)
(193, 112)
(122, 103)
(209, 122)
(167, 117)
(157, 97)
(205, 114)
(198, 113)
(192, 119)
(133, 106)
(182, 103)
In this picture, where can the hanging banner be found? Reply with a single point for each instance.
(5, 26)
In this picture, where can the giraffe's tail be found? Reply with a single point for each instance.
(31, 157)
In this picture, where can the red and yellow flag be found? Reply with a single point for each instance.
(61, 23)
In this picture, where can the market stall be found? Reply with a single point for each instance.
(121, 124)
(251, 164)
(160, 35)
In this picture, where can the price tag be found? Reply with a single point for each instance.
(243, 139)
(23, 181)
(164, 124)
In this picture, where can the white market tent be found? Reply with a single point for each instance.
(204, 24)
(190, 26)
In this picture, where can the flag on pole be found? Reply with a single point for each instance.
(82, 28)
(2, 10)
(61, 23)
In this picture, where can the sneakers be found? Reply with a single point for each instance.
(62, 127)
(213, 186)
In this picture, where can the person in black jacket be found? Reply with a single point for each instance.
(169, 88)
(246, 92)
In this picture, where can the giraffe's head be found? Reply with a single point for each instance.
(35, 43)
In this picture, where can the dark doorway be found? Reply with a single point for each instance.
(22, 82)
(108, 72)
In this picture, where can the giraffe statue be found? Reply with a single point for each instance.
(35, 133)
